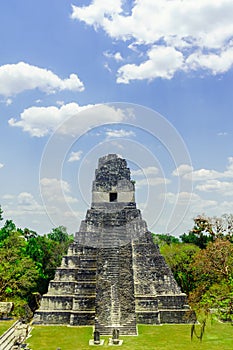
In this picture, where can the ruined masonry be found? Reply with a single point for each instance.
(113, 275)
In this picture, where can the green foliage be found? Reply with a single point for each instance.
(6, 230)
(28, 262)
(59, 234)
(213, 275)
(18, 273)
(180, 258)
(47, 251)
(219, 299)
(162, 239)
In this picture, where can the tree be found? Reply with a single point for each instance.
(18, 273)
(47, 252)
(28, 261)
(215, 263)
(223, 226)
(180, 258)
(213, 273)
(59, 234)
(201, 233)
(207, 229)
(5, 231)
(162, 239)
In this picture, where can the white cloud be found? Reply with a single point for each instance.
(57, 191)
(217, 63)
(116, 56)
(224, 188)
(149, 176)
(21, 205)
(25, 198)
(75, 156)
(40, 121)
(182, 170)
(187, 172)
(8, 196)
(200, 32)
(96, 13)
(59, 203)
(1, 165)
(60, 103)
(119, 133)
(195, 202)
(163, 62)
(150, 170)
(152, 181)
(16, 78)
(9, 101)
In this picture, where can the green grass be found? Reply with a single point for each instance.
(4, 325)
(217, 336)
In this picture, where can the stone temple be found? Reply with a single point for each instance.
(113, 275)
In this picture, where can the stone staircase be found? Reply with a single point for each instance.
(115, 308)
(14, 336)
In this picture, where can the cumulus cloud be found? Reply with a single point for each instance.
(96, 13)
(198, 33)
(209, 181)
(152, 181)
(219, 62)
(224, 188)
(21, 204)
(182, 170)
(16, 78)
(195, 202)
(149, 176)
(1, 165)
(25, 198)
(187, 172)
(57, 191)
(59, 203)
(41, 121)
(75, 156)
(150, 170)
(162, 62)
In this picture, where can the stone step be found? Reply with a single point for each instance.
(123, 330)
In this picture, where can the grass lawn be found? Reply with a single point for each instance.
(4, 325)
(217, 336)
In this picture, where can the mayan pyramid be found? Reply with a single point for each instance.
(113, 275)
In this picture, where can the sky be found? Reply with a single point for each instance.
(149, 80)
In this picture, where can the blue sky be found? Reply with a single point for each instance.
(149, 80)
